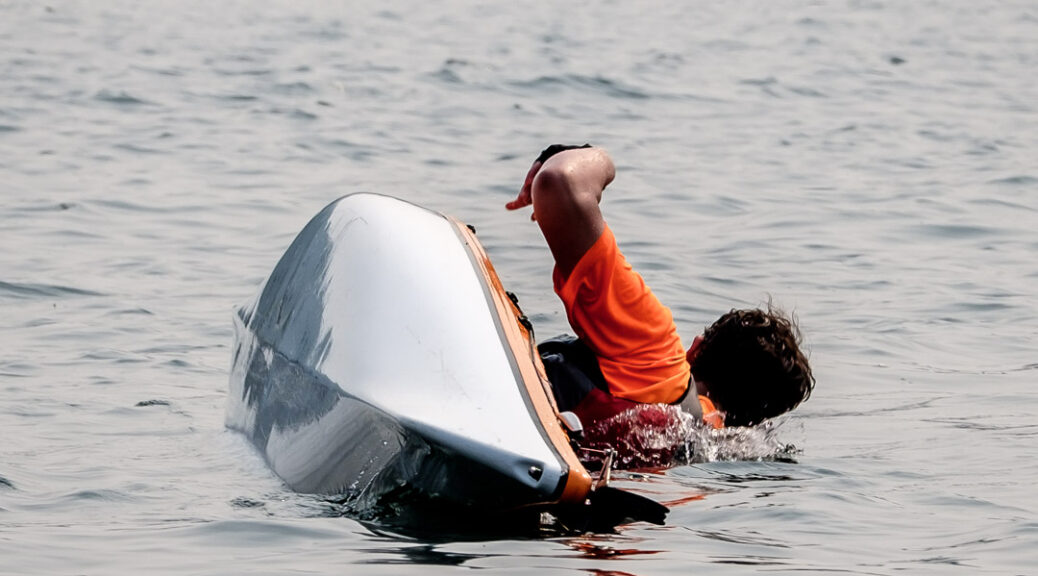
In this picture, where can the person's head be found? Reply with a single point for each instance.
(750, 365)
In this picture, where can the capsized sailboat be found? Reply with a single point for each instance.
(383, 361)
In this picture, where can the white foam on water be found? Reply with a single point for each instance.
(656, 435)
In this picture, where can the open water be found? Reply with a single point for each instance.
(871, 165)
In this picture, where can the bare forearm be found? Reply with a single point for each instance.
(566, 192)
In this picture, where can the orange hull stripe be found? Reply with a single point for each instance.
(578, 480)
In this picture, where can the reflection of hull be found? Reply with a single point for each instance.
(383, 361)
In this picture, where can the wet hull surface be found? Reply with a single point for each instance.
(379, 363)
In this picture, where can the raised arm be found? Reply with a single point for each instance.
(565, 192)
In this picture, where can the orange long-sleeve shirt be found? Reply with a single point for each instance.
(621, 320)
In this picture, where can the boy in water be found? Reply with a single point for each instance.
(745, 368)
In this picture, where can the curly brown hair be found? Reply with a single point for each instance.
(752, 365)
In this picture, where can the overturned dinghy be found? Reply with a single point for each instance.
(383, 362)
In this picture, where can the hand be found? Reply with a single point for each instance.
(525, 197)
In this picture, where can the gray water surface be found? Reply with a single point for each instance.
(870, 166)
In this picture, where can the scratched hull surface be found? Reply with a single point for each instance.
(372, 364)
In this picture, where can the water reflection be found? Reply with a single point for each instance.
(453, 548)
(601, 551)
(421, 554)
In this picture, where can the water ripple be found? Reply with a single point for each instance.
(37, 291)
(598, 84)
(1020, 180)
(120, 98)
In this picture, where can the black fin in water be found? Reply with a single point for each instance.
(612, 506)
(609, 507)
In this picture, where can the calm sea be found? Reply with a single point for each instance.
(872, 166)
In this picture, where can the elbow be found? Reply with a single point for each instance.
(554, 178)
(557, 190)
(577, 172)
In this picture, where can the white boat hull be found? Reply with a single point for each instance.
(383, 360)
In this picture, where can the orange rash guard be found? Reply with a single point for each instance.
(621, 320)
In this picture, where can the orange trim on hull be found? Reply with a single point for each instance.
(520, 340)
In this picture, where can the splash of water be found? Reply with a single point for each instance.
(661, 436)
